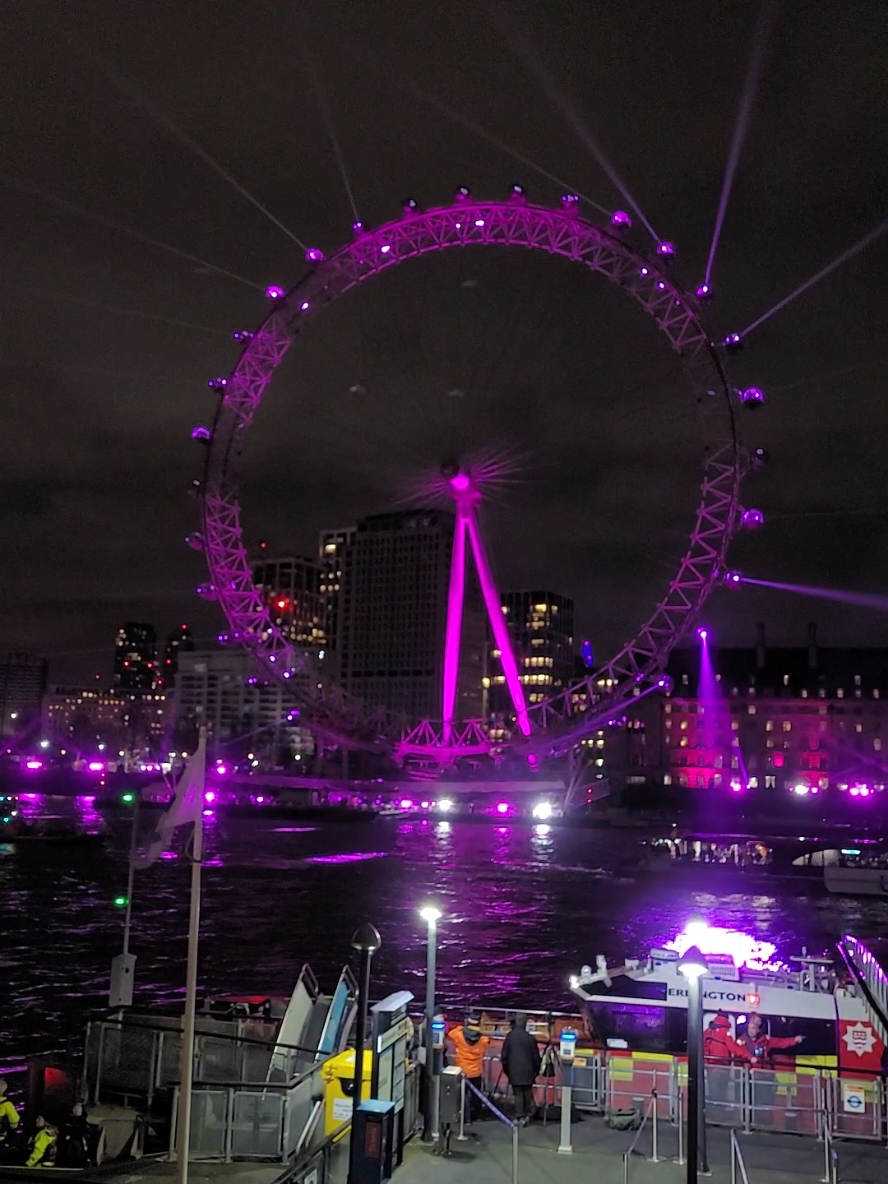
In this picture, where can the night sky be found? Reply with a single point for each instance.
(108, 342)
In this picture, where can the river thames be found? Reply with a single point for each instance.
(524, 907)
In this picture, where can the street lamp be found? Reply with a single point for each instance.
(431, 916)
(694, 966)
(366, 941)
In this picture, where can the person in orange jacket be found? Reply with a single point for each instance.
(469, 1046)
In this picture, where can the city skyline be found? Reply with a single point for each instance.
(610, 470)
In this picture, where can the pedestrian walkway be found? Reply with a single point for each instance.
(598, 1157)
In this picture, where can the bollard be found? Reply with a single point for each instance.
(564, 1146)
(655, 1141)
(625, 1167)
(462, 1137)
(514, 1154)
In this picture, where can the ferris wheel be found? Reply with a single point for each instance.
(556, 723)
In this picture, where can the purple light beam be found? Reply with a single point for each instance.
(747, 98)
(862, 599)
(453, 632)
(875, 233)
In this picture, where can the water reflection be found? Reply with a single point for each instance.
(523, 907)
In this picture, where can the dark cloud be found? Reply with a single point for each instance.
(105, 353)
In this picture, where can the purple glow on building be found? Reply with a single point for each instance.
(621, 218)
(275, 292)
(752, 519)
(314, 255)
(740, 947)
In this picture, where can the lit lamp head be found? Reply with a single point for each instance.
(692, 964)
(430, 914)
(366, 939)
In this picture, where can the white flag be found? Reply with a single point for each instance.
(185, 807)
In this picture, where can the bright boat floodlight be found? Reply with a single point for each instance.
(445, 805)
(542, 810)
(430, 914)
(692, 964)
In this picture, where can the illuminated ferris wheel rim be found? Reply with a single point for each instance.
(559, 232)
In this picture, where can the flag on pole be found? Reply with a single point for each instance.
(185, 807)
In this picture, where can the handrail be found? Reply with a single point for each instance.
(737, 1160)
(627, 1155)
(174, 1030)
(830, 1159)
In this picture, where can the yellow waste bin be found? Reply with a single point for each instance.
(339, 1076)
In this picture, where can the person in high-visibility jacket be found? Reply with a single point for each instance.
(43, 1145)
(469, 1046)
(9, 1116)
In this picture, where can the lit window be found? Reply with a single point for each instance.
(857, 680)
(770, 782)
(786, 680)
(858, 727)
(769, 725)
(769, 744)
(840, 694)
(787, 726)
(751, 709)
(877, 744)
(804, 693)
(875, 692)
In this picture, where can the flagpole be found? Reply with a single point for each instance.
(186, 1075)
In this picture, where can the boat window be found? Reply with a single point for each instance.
(642, 1029)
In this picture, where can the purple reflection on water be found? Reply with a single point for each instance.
(293, 830)
(348, 857)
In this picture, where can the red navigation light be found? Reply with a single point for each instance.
(281, 603)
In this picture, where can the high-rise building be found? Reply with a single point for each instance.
(22, 687)
(290, 588)
(126, 721)
(178, 642)
(219, 689)
(332, 548)
(135, 657)
(393, 612)
(541, 629)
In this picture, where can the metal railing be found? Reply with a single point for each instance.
(830, 1160)
(498, 1114)
(738, 1167)
(650, 1112)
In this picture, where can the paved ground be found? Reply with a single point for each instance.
(598, 1158)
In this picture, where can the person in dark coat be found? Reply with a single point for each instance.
(521, 1063)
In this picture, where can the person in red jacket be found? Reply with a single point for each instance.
(759, 1046)
(719, 1045)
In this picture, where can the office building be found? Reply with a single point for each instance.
(290, 588)
(178, 642)
(789, 719)
(393, 612)
(22, 687)
(124, 721)
(135, 657)
(220, 690)
(541, 629)
(332, 548)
